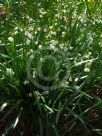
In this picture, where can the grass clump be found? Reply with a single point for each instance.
(51, 67)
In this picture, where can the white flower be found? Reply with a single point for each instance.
(61, 45)
(28, 34)
(63, 34)
(42, 12)
(2, 44)
(9, 71)
(21, 29)
(28, 42)
(45, 30)
(35, 32)
(30, 28)
(30, 20)
(58, 15)
(76, 79)
(40, 16)
(54, 42)
(16, 28)
(36, 42)
(64, 11)
(48, 35)
(34, 74)
(30, 94)
(53, 33)
(39, 28)
(86, 70)
(65, 49)
(52, 47)
(11, 39)
(79, 55)
(40, 47)
(70, 47)
(50, 27)
(16, 32)
(26, 82)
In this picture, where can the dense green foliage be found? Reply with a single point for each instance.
(51, 65)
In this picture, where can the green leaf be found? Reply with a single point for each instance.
(3, 106)
(48, 108)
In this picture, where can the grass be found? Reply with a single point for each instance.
(51, 67)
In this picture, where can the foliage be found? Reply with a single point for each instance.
(64, 39)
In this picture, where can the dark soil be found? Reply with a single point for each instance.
(94, 121)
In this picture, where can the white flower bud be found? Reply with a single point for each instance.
(11, 39)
